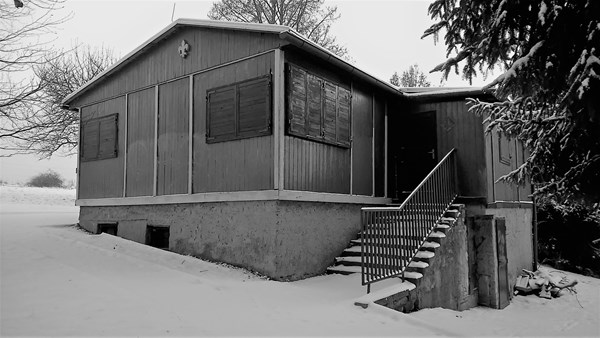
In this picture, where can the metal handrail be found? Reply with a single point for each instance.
(392, 236)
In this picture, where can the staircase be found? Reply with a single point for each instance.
(400, 241)
(349, 261)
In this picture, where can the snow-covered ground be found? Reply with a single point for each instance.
(57, 280)
(12, 194)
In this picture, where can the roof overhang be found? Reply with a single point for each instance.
(429, 94)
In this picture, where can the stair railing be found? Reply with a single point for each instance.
(392, 236)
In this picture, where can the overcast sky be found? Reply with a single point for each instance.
(381, 36)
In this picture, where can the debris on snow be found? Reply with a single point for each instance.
(542, 282)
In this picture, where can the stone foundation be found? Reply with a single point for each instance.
(285, 240)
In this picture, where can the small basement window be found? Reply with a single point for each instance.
(108, 228)
(158, 236)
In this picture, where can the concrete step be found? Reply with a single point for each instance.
(343, 270)
(447, 220)
(436, 236)
(430, 246)
(413, 277)
(417, 266)
(424, 256)
(442, 227)
(454, 213)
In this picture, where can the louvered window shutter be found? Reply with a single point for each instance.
(329, 112)
(317, 109)
(343, 116)
(89, 140)
(99, 138)
(297, 101)
(240, 110)
(315, 105)
(108, 137)
(254, 107)
(221, 114)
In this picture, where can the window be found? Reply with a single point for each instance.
(108, 228)
(317, 109)
(158, 236)
(99, 138)
(504, 155)
(240, 110)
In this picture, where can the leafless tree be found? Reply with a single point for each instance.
(42, 126)
(308, 17)
(26, 29)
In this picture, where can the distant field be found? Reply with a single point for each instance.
(38, 196)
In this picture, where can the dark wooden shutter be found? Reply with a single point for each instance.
(254, 107)
(89, 140)
(221, 114)
(108, 137)
(315, 106)
(329, 112)
(297, 101)
(343, 116)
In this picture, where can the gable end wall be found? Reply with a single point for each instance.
(208, 48)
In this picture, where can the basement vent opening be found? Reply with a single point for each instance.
(157, 236)
(108, 228)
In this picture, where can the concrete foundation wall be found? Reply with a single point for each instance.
(284, 240)
(445, 282)
(519, 239)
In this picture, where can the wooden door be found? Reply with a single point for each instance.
(417, 153)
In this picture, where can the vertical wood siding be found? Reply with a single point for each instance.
(173, 124)
(502, 191)
(312, 165)
(521, 155)
(458, 128)
(379, 119)
(315, 166)
(140, 143)
(104, 178)
(240, 165)
(208, 48)
(362, 138)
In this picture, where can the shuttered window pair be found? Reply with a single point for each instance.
(240, 110)
(317, 109)
(99, 138)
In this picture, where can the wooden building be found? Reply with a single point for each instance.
(249, 144)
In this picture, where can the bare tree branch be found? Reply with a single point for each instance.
(38, 124)
(308, 17)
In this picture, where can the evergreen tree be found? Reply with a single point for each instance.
(412, 77)
(549, 91)
(395, 79)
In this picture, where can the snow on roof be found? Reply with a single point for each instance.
(441, 92)
(284, 32)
